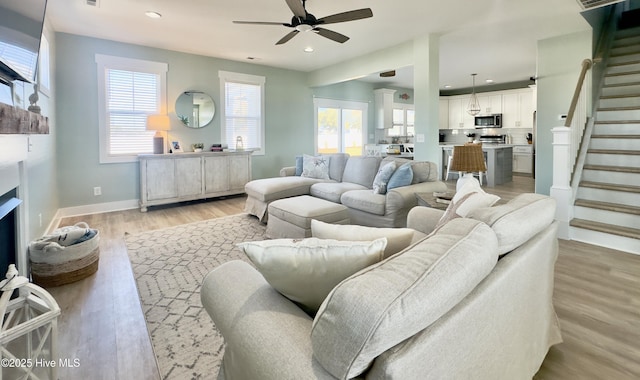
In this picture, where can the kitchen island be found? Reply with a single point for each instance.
(499, 159)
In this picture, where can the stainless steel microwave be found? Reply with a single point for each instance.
(489, 121)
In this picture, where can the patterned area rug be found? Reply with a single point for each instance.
(169, 266)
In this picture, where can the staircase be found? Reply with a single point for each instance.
(607, 206)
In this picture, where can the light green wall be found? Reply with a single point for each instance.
(559, 65)
(288, 115)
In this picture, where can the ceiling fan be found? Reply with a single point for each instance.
(302, 21)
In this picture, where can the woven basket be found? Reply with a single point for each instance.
(55, 265)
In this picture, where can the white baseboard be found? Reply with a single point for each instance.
(92, 209)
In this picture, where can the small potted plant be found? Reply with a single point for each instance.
(470, 136)
(197, 147)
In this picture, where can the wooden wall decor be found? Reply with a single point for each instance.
(15, 120)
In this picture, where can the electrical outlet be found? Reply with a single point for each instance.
(97, 191)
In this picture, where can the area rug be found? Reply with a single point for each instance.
(169, 266)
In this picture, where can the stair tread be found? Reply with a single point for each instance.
(613, 136)
(629, 232)
(622, 96)
(617, 122)
(610, 186)
(608, 206)
(611, 168)
(614, 151)
(625, 108)
(621, 84)
(634, 72)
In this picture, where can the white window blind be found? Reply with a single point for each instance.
(131, 97)
(243, 110)
(129, 90)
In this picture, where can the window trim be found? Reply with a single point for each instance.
(404, 107)
(105, 62)
(342, 104)
(229, 76)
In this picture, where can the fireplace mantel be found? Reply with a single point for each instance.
(15, 120)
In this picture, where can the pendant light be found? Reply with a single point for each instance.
(474, 106)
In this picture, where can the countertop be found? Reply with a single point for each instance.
(484, 146)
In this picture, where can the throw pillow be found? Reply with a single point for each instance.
(315, 167)
(397, 238)
(298, 166)
(382, 178)
(469, 198)
(401, 177)
(306, 270)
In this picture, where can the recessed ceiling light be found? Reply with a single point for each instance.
(489, 80)
(447, 86)
(308, 49)
(152, 14)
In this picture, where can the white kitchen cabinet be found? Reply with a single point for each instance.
(384, 107)
(490, 103)
(443, 122)
(170, 178)
(459, 118)
(517, 109)
(523, 159)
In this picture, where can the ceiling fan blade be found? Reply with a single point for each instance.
(287, 37)
(260, 23)
(297, 8)
(330, 34)
(346, 16)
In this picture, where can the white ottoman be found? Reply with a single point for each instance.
(291, 217)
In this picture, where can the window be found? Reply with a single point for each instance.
(340, 126)
(129, 91)
(243, 110)
(403, 121)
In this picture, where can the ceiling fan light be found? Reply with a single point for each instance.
(304, 28)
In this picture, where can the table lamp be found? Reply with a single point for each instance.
(158, 123)
(467, 159)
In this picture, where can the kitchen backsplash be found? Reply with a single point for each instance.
(518, 136)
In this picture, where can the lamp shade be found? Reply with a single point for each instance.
(468, 158)
(158, 123)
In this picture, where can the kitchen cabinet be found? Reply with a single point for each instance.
(170, 178)
(443, 122)
(490, 103)
(517, 109)
(523, 159)
(459, 118)
(384, 108)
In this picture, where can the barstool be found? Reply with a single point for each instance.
(478, 165)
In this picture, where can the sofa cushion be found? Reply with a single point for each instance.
(315, 167)
(518, 220)
(361, 170)
(306, 270)
(337, 162)
(397, 238)
(382, 178)
(332, 191)
(401, 177)
(269, 189)
(386, 303)
(364, 200)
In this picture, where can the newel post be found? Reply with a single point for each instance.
(561, 189)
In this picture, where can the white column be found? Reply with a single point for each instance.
(561, 189)
(426, 92)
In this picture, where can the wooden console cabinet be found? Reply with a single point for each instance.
(170, 178)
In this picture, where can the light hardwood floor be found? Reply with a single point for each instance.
(597, 298)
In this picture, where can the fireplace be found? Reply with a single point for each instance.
(8, 230)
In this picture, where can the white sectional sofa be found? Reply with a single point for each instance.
(350, 182)
(446, 307)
